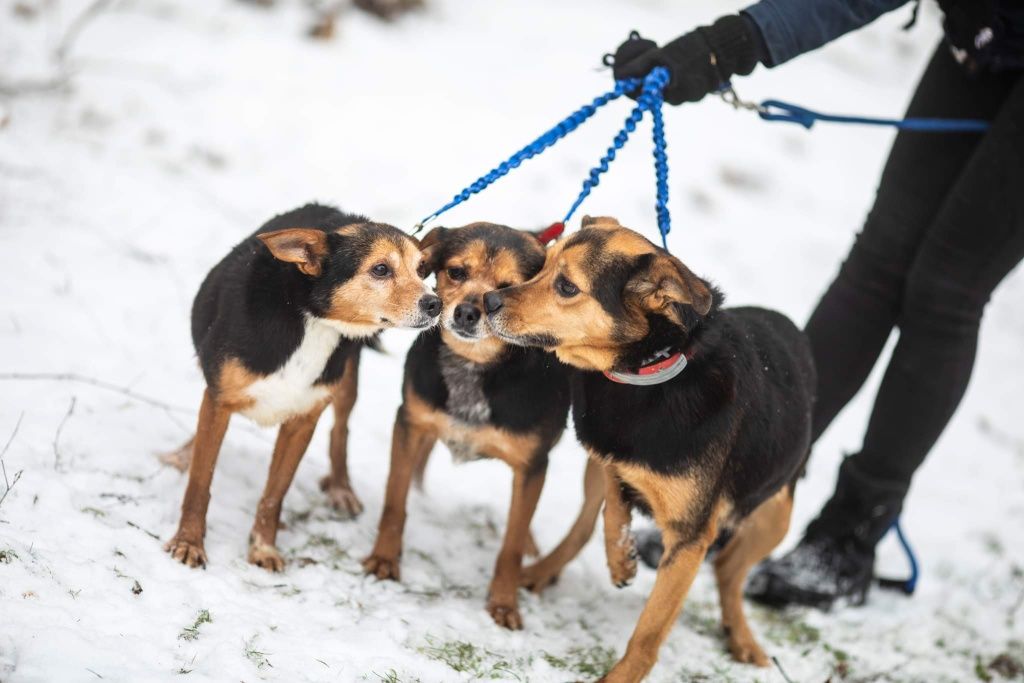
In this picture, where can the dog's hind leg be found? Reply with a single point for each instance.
(180, 457)
(337, 485)
(530, 547)
(292, 440)
(410, 443)
(756, 536)
(503, 600)
(187, 544)
(545, 571)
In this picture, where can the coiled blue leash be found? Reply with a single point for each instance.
(650, 99)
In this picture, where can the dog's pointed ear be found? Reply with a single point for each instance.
(305, 247)
(599, 222)
(430, 246)
(666, 284)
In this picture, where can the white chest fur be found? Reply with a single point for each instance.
(290, 390)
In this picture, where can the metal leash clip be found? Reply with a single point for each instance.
(733, 99)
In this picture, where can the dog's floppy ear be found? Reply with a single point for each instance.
(430, 246)
(665, 284)
(599, 222)
(305, 247)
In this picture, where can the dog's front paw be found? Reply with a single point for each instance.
(384, 568)
(266, 556)
(342, 498)
(505, 614)
(622, 559)
(188, 552)
(536, 578)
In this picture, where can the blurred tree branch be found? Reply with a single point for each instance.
(8, 484)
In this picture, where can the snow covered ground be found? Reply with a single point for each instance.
(184, 125)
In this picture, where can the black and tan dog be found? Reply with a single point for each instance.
(278, 325)
(697, 414)
(478, 395)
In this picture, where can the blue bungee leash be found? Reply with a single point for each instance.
(651, 100)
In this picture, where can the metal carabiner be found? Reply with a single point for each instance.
(733, 99)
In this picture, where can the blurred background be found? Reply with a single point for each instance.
(141, 139)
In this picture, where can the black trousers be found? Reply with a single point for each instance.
(946, 227)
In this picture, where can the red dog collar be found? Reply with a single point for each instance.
(666, 367)
(550, 233)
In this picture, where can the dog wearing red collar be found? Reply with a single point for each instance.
(695, 414)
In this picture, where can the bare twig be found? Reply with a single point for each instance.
(76, 27)
(60, 428)
(778, 665)
(8, 485)
(136, 526)
(91, 381)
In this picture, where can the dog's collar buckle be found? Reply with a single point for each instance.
(667, 367)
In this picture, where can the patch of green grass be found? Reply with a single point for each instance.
(255, 656)
(321, 548)
(465, 657)
(321, 541)
(192, 632)
(841, 663)
(702, 617)
(980, 671)
(593, 661)
(788, 628)
(7, 555)
(95, 512)
(389, 676)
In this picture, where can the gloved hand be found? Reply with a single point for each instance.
(700, 61)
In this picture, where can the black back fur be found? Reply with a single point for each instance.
(738, 417)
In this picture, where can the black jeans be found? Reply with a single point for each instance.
(946, 227)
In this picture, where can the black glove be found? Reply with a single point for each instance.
(700, 62)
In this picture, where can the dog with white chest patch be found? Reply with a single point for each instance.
(278, 325)
(481, 397)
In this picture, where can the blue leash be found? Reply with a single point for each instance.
(650, 99)
(776, 110)
(909, 584)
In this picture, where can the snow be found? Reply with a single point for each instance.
(186, 125)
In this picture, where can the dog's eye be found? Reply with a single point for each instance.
(381, 270)
(457, 274)
(504, 285)
(566, 288)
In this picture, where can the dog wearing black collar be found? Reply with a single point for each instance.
(695, 414)
(480, 396)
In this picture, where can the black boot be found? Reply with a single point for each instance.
(836, 558)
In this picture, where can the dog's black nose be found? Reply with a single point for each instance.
(431, 305)
(492, 302)
(467, 314)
